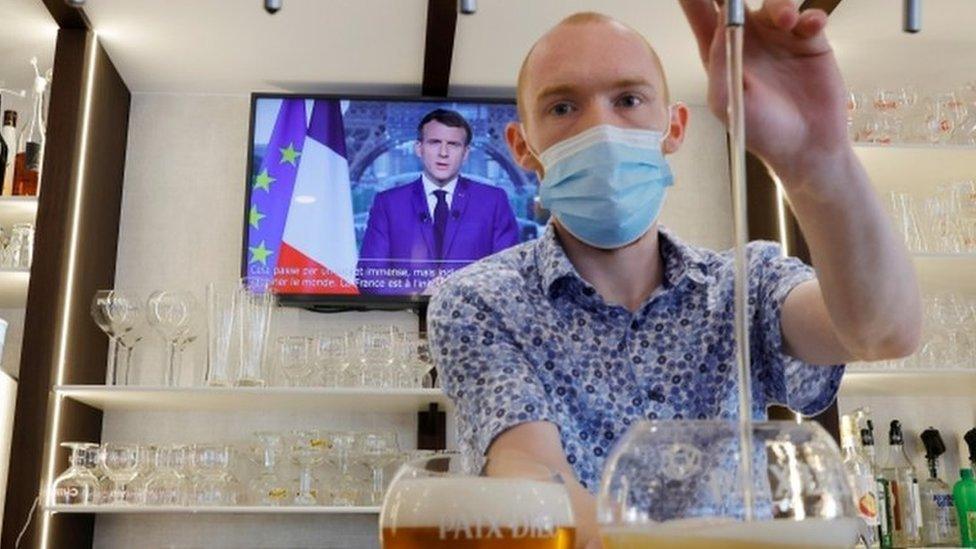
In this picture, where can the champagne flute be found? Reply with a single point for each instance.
(116, 312)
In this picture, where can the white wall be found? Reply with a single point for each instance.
(181, 226)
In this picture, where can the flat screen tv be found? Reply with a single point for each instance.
(369, 202)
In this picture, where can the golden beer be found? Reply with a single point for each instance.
(768, 534)
(431, 538)
(476, 512)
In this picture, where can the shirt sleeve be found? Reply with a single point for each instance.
(783, 379)
(482, 368)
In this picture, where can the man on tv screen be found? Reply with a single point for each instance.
(438, 222)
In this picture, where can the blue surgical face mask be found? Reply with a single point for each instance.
(606, 185)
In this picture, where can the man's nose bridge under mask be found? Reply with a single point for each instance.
(665, 134)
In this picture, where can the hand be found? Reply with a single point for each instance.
(795, 97)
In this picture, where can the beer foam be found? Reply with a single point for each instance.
(506, 502)
(817, 532)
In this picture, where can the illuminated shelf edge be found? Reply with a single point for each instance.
(221, 510)
(137, 398)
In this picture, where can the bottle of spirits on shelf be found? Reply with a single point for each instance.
(8, 134)
(903, 491)
(938, 512)
(862, 480)
(30, 148)
(884, 501)
(964, 494)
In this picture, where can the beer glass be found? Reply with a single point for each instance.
(256, 301)
(460, 502)
(676, 484)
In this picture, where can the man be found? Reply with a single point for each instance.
(439, 219)
(553, 348)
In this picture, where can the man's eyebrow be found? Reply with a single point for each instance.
(566, 89)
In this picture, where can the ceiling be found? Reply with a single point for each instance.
(376, 46)
(28, 31)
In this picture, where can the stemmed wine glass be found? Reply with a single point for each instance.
(376, 354)
(345, 488)
(116, 313)
(294, 359)
(378, 450)
(332, 358)
(267, 488)
(78, 485)
(213, 483)
(121, 462)
(166, 485)
(171, 314)
(307, 448)
(676, 484)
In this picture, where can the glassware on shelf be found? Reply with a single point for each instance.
(294, 359)
(256, 300)
(307, 449)
(906, 115)
(332, 356)
(77, 485)
(419, 363)
(222, 311)
(213, 483)
(377, 450)
(171, 314)
(166, 485)
(267, 487)
(18, 251)
(116, 313)
(376, 355)
(121, 462)
(345, 486)
(675, 483)
(468, 501)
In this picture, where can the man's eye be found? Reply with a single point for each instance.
(630, 100)
(561, 109)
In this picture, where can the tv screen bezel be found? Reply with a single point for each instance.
(325, 302)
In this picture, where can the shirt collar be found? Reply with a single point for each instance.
(680, 260)
(430, 186)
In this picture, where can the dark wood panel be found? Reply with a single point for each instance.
(439, 46)
(66, 16)
(827, 5)
(67, 268)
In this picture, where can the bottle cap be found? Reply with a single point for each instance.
(970, 438)
(867, 437)
(934, 446)
(894, 433)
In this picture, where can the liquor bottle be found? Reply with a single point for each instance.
(903, 491)
(5, 152)
(938, 512)
(8, 134)
(30, 148)
(964, 494)
(862, 480)
(882, 489)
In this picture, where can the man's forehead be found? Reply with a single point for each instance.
(572, 53)
(442, 129)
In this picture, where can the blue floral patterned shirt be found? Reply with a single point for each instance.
(520, 336)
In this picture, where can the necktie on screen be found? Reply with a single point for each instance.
(440, 222)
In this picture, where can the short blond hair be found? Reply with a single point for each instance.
(582, 18)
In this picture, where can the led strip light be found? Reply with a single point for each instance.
(54, 427)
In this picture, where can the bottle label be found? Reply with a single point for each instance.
(971, 521)
(32, 156)
(945, 515)
(884, 512)
(867, 500)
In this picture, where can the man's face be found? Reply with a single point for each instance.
(585, 75)
(442, 149)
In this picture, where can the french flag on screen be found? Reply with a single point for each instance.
(311, 234)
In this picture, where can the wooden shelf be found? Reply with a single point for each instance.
(948, 383)
(213, 510)
(133, 398)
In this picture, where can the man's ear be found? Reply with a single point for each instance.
(519, 148)
(677, 124)
(416, 149)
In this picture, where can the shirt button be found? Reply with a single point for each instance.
(634, 325)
